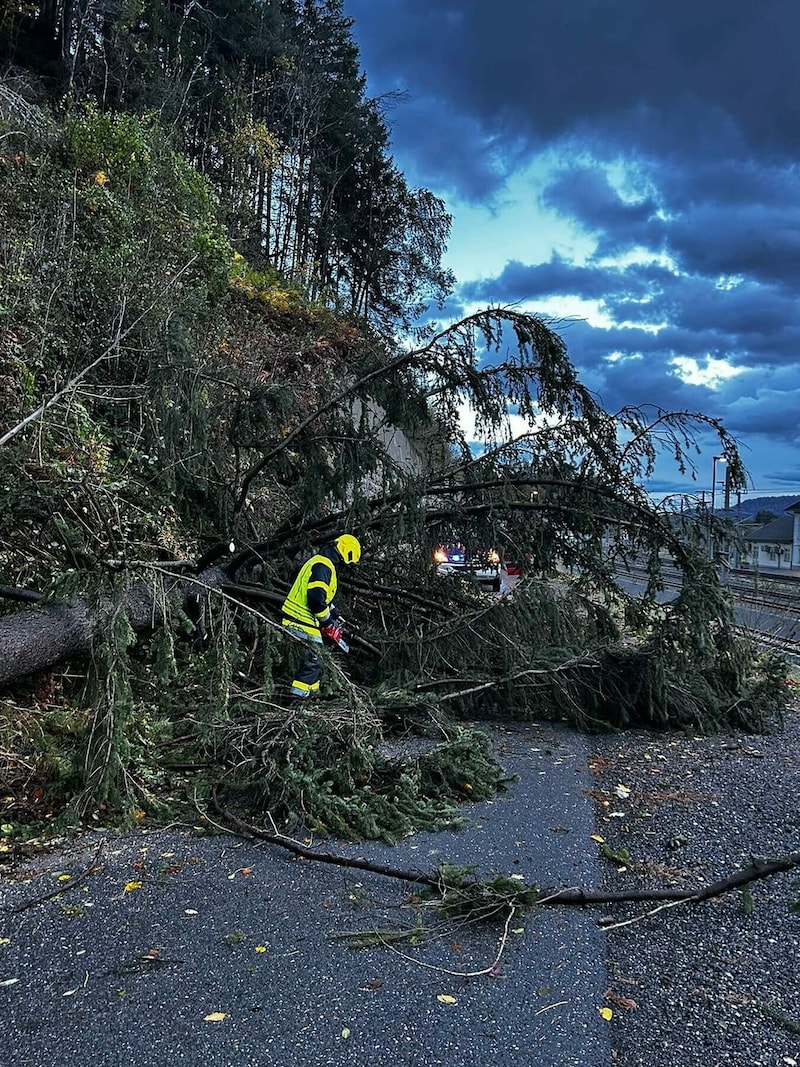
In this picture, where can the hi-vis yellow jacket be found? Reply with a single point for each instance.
(309, 599)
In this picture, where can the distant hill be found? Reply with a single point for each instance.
(749, 508)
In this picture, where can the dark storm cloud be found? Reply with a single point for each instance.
(520, 281)
(458, 146)
(706, 78)
(624, 367)
(751, 228)
(586, 194)
(752, 239)
(750, 323)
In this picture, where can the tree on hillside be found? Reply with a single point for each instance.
(267, 100)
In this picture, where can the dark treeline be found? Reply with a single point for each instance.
(265, 98)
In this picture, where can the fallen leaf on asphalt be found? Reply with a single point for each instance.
(131, 886)
(628, 1003)
(5, 940)
(622, 791)
(64, 877)
(607, 1013)
(345, 1033)
(245, 872)
(215, 1017)
(261, 948)
(445, 998)
(598, 838)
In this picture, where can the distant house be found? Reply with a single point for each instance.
(776, 546)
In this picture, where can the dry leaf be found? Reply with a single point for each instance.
(131, 886)
(607, 1013)
(628, 1003)
(445, 998)
(215, 1017)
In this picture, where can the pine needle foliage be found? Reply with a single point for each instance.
(328, 771)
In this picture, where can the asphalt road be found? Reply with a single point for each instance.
(181, 948)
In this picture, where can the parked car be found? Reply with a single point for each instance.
(454, 559)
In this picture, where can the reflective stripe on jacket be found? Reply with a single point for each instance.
(317, 573)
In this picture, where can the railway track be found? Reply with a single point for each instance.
(767, 591)
(785, 645)
(774, 594)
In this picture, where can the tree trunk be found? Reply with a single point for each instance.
(36, 639)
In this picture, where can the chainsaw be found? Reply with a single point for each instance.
(334, 631)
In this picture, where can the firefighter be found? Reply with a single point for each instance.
(309, 612)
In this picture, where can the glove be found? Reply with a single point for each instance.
(333, 613)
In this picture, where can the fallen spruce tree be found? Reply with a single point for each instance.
(181, 425)
(133, 673)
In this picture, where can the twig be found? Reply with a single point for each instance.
(62, 888)
(459, 974)
(647, 915)
(549, 1007)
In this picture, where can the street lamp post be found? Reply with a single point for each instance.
(717, 459)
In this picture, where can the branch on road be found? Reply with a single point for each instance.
(522, 896)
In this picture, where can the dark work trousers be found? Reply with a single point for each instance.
(306, 681)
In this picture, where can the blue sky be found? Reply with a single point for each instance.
(629, 164)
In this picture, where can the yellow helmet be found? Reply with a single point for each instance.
(348, 548)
